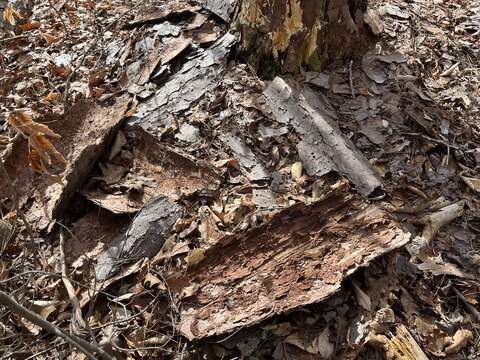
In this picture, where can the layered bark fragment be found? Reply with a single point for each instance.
(250, 165)
(166, 11)
(85, 130)
(299, 257)
(160, 170)
(221, 8)
(323, 148)
(144, 238)
(197, 76)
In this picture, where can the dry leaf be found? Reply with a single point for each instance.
(9, 15)
(36, 161)
(313, 343)
(52, 96)
(50, 39)
(45, 148)
(31, 25)
(195, 256)
(296, 170)
(459, 340)
(41, 149)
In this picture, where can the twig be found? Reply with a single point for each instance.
(59, 16)
(470, 308)
(350, 79)
(78, 323)
(84, 346)
(433, 140)
(13, 38)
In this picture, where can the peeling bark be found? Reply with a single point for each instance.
(249, 163)
(299, 257)
(189, 84)
(323, 148)
(222, 8)
(144, 238)
(297, 32)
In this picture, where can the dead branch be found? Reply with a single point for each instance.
(84, 346)
(433, 222)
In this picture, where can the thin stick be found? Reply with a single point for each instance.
(84, 346)
(470, 308)
(13, 38)
(350, 78)
(78, 323)
(59, 16)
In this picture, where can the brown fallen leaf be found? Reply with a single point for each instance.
(459, 340)
(41, 150)
(31, 25)
(10, 15)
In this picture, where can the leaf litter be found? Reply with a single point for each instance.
(196, 203)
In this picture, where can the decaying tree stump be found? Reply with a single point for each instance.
(292, 33)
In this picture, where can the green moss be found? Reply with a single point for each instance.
(315, 63)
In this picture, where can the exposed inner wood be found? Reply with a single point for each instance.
(296, 32)
(300, 257)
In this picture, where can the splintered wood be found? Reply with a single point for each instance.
(85, 130)
(299, 257)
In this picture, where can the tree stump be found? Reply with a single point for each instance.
(283, 35)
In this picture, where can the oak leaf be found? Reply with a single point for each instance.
(41, 150)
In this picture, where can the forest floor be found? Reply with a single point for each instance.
(159, 199)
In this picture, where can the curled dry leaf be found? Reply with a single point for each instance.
(11, 15)
(41, 150)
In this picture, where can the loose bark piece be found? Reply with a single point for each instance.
(85, 129)
(249, 163)
(163, 12)
(162, 170)
(299, 257)
(189, 84)
(222, 8)
(323, 148)
(144, 238)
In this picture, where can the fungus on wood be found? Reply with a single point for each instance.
(283, 35)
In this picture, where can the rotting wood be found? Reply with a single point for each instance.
(85, 130)
(196, 77)
(402, 346)
(144, 238)
(291, 33)
(323, 148)
(299, 257)
(161, 170)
